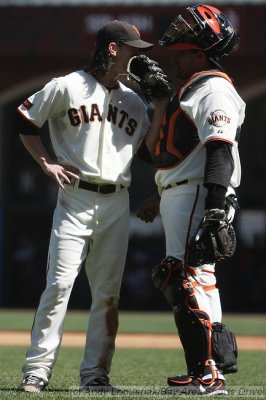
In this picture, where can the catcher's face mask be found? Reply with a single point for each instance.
(201, 27)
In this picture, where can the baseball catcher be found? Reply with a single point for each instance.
(151, 79)
(197, 167)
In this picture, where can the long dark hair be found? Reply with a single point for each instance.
(101, 61)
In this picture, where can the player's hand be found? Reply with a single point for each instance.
(60, 173)
(149, 209)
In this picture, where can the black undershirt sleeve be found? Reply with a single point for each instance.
(24, 127)
(218, 171)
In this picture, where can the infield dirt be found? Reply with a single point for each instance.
(127, 340)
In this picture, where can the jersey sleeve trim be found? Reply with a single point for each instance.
(216, 139)
(24, 126)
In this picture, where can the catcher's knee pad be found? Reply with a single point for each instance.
(224, 348)
(168, 276)
(194, 329)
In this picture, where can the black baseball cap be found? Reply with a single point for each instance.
(123, 32)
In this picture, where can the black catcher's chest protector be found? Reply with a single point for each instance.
(178, 137)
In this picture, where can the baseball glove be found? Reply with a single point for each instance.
(153, 82)
(224, 348)
(215, 240)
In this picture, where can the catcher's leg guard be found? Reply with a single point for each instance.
(194, 329)
(193, 324)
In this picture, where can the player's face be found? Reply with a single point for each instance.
(186, 63)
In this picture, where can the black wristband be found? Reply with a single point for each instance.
(215, 197)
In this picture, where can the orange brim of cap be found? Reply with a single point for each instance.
(183, 46)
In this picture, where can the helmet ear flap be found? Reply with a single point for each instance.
(224, 47)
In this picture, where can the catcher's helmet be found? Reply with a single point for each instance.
(202, 27)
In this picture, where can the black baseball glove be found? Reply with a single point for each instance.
(215, 240)
(153, 82)
(224, 348)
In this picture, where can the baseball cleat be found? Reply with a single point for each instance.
(185, 385)
(32, 384)
(100, 385)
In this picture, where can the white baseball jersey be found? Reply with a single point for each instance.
(211, 102)
(91, 128)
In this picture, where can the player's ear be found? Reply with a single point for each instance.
(113, 47)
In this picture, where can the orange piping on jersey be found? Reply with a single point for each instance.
(216, 139)
(209, 288)
(27, 119)
(206, 270)
(203, 73)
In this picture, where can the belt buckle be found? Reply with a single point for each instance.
(106, 189)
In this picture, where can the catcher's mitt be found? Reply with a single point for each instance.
(215, 240)
(153, 82)
(224, 348)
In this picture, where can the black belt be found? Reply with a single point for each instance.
(105, 188)
(184, 182)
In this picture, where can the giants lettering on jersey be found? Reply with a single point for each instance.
(117, 117)
(178, 137)
(219, 118)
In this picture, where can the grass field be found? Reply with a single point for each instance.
(132, 368)
(136, 322)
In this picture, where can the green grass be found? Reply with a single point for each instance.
(135, 322)
(138, 368)
(131, 368)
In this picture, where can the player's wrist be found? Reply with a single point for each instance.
(215, 197)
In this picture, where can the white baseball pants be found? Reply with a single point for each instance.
(176, 209)
(88, 228)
